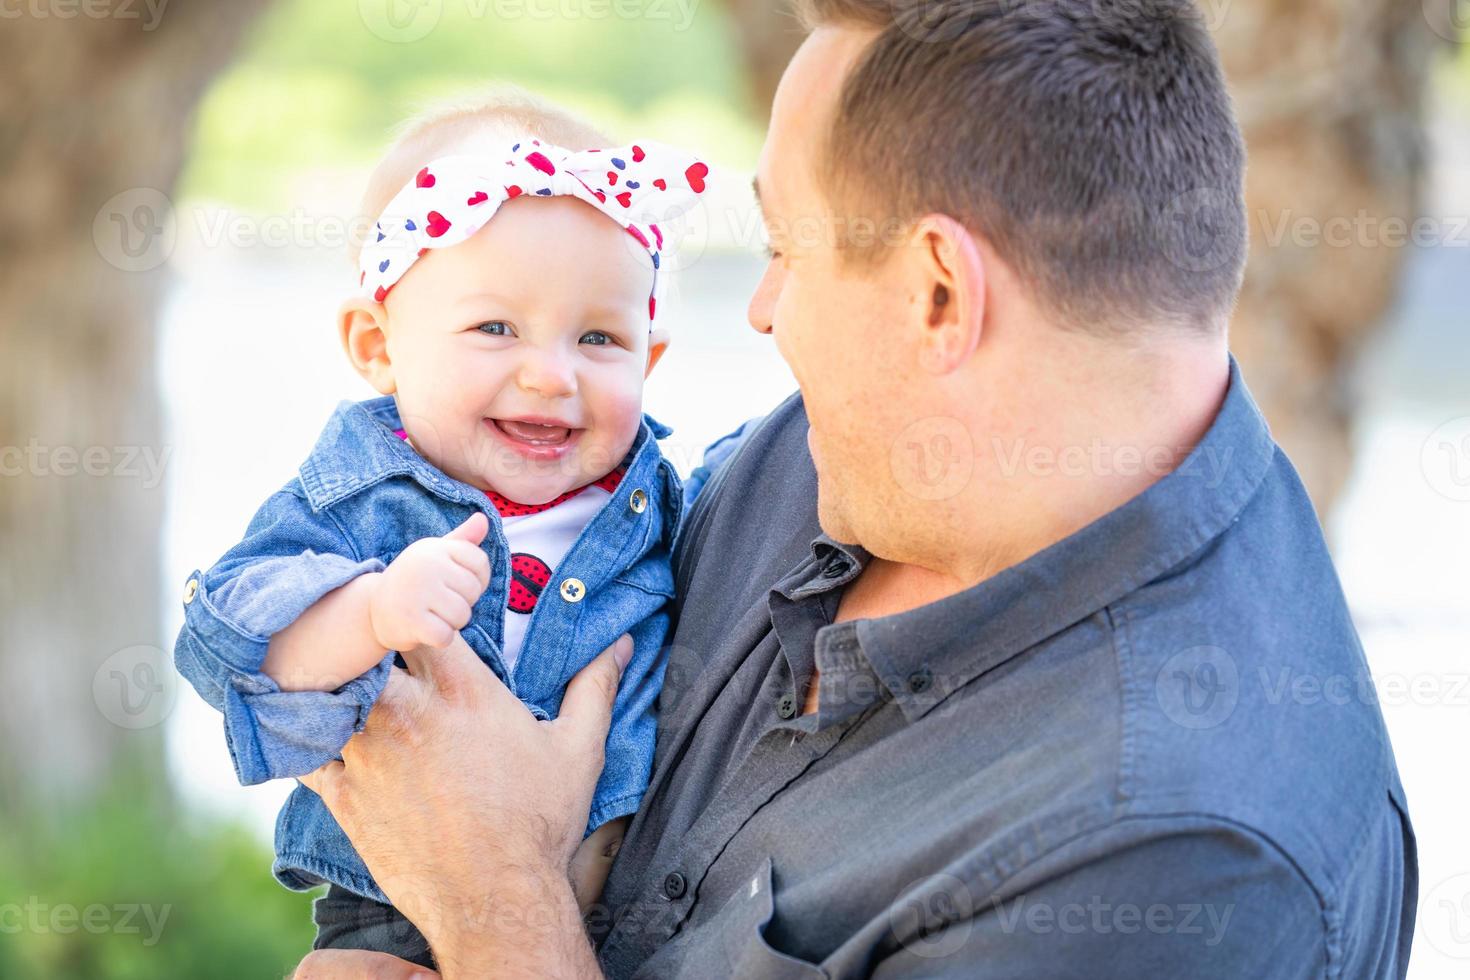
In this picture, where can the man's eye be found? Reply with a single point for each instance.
(596, 338)
(496, 328)
(771, 254)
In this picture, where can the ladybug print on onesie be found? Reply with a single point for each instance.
(528, 576)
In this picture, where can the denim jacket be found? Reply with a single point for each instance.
(361, 497)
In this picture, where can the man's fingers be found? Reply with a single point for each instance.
(326, 782)
(358, 964)
(588, 703)
(454, 671)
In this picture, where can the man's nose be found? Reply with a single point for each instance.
(763, 301)
(548, 373)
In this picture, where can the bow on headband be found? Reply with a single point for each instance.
(453, 197)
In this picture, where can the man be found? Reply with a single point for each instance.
(991, 644)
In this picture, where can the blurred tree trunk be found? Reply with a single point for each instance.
(1330, 94)
(98, 102)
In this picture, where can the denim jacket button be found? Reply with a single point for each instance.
(572, 589)
(638, 501)
(191, 590)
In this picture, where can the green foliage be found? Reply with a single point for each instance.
(316, 90)
(127, 890)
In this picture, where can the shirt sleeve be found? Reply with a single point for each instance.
(715, 455)
(1209, 904)
(290, 557)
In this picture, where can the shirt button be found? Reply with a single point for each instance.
(835, 568)
(675, 885)
(786, 707)
(191, 590)
(920, 680)
(572, 589)
(638, 501)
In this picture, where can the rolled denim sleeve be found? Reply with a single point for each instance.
(715, 455)
(290, 557)
(1208, 903)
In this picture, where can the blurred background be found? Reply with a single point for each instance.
(179, 181)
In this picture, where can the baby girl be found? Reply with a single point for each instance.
(506, 485)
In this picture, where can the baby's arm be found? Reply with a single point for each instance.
(593, 860)
(421, 599)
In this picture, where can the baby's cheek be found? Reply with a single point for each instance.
(619, 411)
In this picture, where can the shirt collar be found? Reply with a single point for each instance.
(358, 448)
(923, 655)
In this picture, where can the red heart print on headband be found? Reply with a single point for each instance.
(695, 175)
(450, 198)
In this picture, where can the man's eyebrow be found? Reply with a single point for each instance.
(755, 185)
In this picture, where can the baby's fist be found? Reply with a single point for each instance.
(428, 592)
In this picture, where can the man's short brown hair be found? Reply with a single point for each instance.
(1091, 142)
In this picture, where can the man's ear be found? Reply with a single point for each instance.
(362, 328)
(952, 303)
(658, 343)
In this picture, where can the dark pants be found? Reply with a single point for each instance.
(348, 921)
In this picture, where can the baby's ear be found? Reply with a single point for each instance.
(361, 327)
(658, 343)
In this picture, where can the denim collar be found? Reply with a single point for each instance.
(359, 448)
(922, 655)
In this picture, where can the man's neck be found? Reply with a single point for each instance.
(1082, 444)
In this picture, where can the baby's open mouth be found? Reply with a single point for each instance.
(533, 433)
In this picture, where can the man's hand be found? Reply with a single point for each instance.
(429, 591)
(358, 964)
(467, 810)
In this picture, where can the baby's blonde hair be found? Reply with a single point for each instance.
(486, 120)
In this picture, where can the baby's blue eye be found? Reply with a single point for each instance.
(495, 328)
(596, 338)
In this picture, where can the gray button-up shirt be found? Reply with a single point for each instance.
(1151, 750)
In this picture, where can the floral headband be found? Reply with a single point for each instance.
(455, 196)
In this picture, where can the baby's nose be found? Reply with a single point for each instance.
(547, 374)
